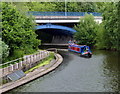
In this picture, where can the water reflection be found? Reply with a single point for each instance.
(111, 71)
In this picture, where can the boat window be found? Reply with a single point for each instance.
(82, 49)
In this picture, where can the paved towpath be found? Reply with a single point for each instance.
(33, 75)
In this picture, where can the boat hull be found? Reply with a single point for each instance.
(83, 50)
(88, 55)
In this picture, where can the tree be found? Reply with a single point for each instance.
(110, 22)
(60, 6)
(101, 36)
(18, 31)
(4, 51)
(41, 6)
(86, 30)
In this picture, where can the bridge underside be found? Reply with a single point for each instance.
(50, 36)
(54, 33)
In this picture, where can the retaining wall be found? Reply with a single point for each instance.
(27, 62)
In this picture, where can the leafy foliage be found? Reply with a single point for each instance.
(4, 51)
(110, 23)
(105, 35)
(41, 6)
(101, 41)
(86, 30)
(18, 30)
(60, 6)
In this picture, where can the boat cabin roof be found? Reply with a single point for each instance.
(79, 46)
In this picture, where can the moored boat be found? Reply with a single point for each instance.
(83, 50)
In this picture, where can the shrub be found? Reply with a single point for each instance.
(4, 51)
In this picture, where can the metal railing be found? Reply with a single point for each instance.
(10, 62)
(37, 13)
(20, 63)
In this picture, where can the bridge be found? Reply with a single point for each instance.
(62, 17)
(57, 27)
(63, 29)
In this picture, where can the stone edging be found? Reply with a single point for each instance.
(32, 75)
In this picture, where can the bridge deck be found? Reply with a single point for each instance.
(63, 17)
(38, 13)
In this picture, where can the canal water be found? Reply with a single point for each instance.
(78, 74)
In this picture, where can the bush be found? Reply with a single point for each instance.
(4, 51)
(86, 30)
(16, 54)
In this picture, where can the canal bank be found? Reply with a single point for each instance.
(33, 75)
(76, 74)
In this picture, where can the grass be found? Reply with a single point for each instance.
(44, 62)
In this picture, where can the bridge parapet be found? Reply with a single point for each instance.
(37, 13)
(62, 17)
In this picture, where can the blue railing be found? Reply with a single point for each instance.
(36, 13)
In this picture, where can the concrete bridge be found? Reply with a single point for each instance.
(63, 17)
(59, 25)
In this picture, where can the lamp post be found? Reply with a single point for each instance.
(65, 7)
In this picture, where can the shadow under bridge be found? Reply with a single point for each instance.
(56, 34)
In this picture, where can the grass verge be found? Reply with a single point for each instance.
(42, 63)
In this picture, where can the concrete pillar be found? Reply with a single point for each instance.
(40, 55)
(30, 59)
(3, 71)
(17, 66)
(33, 58)
(21, 63)
(30, 63)
(8, 68)
(37, 56)
(12, 68)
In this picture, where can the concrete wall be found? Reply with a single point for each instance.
(63, 19)
(28, 61)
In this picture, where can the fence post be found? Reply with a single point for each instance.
(32, 56)
(17, 66)
(11, 67)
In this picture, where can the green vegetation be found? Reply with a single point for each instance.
(42, 63)
(4, 51)
(19, 37)
(110, 27)
(105, 35)
(18, 32)
(60, 6)
(86, 30)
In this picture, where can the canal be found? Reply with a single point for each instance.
(78, 74)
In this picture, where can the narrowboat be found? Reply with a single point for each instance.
(83, 50)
